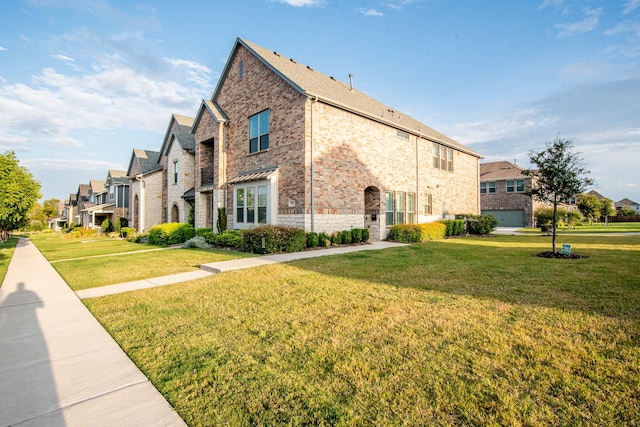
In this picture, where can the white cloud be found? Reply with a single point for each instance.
(630, 6)
(302, 3)
(62, 57)
(369, 12)
(2, 49)
(550, 3)
(398, 4)
(70, 164)
(590, 21)
(629, 43)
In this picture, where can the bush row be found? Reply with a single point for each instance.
(410, 233)
(170, 234)
(480, 224)
(455, 227)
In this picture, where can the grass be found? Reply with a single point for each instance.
(596, 227)
(472, 331)
(98, 261)
(56, 246)
(6, 252)
(92, 272)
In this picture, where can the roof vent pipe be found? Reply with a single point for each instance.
(350, 81)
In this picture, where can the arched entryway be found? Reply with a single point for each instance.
(372, 212)
(175, 214)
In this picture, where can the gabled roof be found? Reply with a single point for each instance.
(183, 134)
(626, 202)
(146, 160)
(496, 171)
(596, 194)
(97, 186)
(329, 90)
(213, 109)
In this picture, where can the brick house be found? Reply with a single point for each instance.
(145, 189)
(280, 143)
(503, 194)
(177, 157)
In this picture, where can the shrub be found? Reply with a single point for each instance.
(221, 222)
(336, 238)
(269, 239)
(207, 233)
(107, 226)
(120, 223)
(346, 236)
(365, 235)
(170, 234)
(127, 231)
(410, 233)
(481, 224)
(324, 240)
(455, 227)
(191, 219)
(312, 239)
(356, 235)
(228, 239)
(197, 242)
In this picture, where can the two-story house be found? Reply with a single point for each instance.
(108, 199)
(177, 156)
(281, 143)
(145, 189)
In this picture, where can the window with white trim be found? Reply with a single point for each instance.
(259, 132)
(442, 157)
(400, 207)
(515, 186)
(175, 172)
(487, 187)
(251, 204)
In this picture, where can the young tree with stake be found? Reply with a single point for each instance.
(559, 175)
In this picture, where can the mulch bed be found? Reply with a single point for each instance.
(550, 254)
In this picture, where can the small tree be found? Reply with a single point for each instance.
(607, 210)
(627, 211)
(559, 176)
(589, 205)
(19, 191)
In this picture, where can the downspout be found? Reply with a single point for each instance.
(141, 212)
(312, 171)
(416, 210)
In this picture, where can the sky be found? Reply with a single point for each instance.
(84, 82)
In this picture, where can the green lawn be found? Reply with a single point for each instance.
(91, 272)
(57, 246)
(596, 227)
(6, 252)
(472, 331)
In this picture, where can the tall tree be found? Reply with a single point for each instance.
(589, 205)
(607, 209)
(559, 175)
(19, 191)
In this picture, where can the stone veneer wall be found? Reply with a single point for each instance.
(186, 180)
(152, 203)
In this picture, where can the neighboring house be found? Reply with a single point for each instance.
(82, 202)
(595, 194)
(280, 143)
(503, 194)
(145, 189)
(108, 199)
(177, 156)
(627, 203)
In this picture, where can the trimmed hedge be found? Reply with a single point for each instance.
(481, 224)
(271, 239)
(455, 227)
(172, 233)
(228, 238)
(411, 233)
(312, 239)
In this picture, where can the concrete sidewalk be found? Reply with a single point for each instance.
(58, 366)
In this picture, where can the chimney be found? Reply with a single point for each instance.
(350, 81)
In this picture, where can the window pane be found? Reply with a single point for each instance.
(264, 122)
(251, 197)
(262, 215)
(400, 207)
(253, 145)
(240, 197)
(251, 215)
(389, 208)
(264, 142)
(253, 127)
(240, 214)
(483, 187)
(520, 185)
(436, 160)
(262, 196)
(509, 186)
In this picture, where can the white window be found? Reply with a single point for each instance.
(259, 132)
(175, 172)
(516, 185)
(252, 204)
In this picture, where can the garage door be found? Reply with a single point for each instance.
(508, 218)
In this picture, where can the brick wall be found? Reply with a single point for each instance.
(186, 179)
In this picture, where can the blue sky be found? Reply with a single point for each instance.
(83, 82)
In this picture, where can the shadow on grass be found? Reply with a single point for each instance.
(606, 283)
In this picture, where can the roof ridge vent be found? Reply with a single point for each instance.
(332, 78)
(309, 68)
(293, 60)
(276, 53)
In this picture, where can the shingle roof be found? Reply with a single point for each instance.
(327, 89)
(97, 186)
(495, 171)
(148, 160)
(626, 202)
